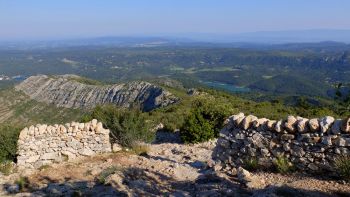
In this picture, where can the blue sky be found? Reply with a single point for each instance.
(23, 19)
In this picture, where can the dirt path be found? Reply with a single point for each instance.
(167, 170)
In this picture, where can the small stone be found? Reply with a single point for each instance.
(49, 156)
(243, 175)
(33, 159)
(287, 137)
(297, 151)
(312, 167)
(327, 140)
(86, 152)
(116, 148)
(340, 141)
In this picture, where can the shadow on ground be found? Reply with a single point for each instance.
(140, 182)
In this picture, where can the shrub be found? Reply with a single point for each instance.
(22, 183)
(283, 166)
(101, 178)
(8, 142)
(342, 166)
(127, 125)
(6, 167)
(140, 149)
(205, 120)
(251, 164)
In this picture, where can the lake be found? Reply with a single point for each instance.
(225, 86)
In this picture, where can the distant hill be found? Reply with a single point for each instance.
(288, 84)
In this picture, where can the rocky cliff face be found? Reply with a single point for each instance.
(62, 91)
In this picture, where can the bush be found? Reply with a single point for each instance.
(127, 126)
(6, 168)
(342, 166)
(101, 178)
(205, 120)
(8, 142)
(251, 164)
(140, 149)
(23, 183)
(283, 166)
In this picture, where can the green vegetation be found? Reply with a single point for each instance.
(342, 96)
(128, 126)
(282, 70)
(6, 167)
(23, 183)
(87, 81)
(140, 149)
(342, 166)
(251, 164)
(205, 120)
(8, 142)
(101, 178)
(283, 166)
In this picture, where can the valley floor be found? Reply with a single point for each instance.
(169, 169)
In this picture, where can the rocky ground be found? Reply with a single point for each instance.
(168, 169)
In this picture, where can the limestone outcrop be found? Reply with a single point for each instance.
(44, 144)
(311, 145)
(66, 91)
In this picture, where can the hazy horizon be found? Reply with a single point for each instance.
(42, 20)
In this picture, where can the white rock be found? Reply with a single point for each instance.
(271, 124)
(81, 126)
(49, 156)
(116, 148)
(325, 123)
(279, 126)
(93, 123)
(290, 124)
(303, 125)
(248, 121)
(69, 154)
(314, 124)
(33, 159)
(86, 152)
(24, 133)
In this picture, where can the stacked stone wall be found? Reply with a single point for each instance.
(309, 144)
(45, 144)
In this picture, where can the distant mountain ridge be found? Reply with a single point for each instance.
(67, 91)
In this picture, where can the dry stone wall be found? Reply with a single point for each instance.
(310, 144)
(44, 144)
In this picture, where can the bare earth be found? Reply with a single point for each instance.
(169, 169)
